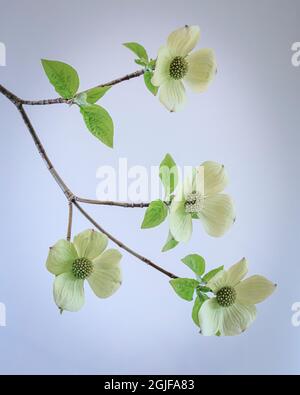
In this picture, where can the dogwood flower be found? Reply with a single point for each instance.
(199, 197)
(84, 259)
(175, 65)
(233, 310)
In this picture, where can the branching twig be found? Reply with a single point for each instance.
(60, 100)
(68, 193)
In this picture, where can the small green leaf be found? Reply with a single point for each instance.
(94, 94)
(208, 276)
(168, 174)
(195, 262)
(184, 287)
(155, 214)
(63, 77)
(170, 243)
(137, 49)
(80, 99)
(99, 123)
(147, 79)
(152, 64)
(201, 288)
(196, 308)
(141, 62)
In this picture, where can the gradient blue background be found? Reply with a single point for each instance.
(248, 120)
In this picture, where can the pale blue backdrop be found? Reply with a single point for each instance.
(248, 120)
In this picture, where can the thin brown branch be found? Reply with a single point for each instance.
(70, 220)
(68, 193)
(112, 203)
(121, 244)
(60, 100)
(43, 153)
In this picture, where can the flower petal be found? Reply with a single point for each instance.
(217, 214)
(215, 177)
(89, 244)
(183, 40)
(181, 225)
(162, 66)
(210, 316)
(172, 95)
(68, 292)
(106, 277)
(254, 289)
(218, 281)
(237, 272)
(201, 69)
(236, 319)
(60, 257)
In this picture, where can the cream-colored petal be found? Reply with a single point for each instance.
(218, 281)
(182, 41)
(60, 257)
(181, 225)
(254, 289)
(89, 244)
(217, 214)
(210, 316)
(236, 319)
(237, 272)
(215, 177)
(68, 292)
(192, 182)
(106, 277)
(172, 95)
(201, 69)
(162, 66)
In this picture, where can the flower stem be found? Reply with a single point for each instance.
(70, 220)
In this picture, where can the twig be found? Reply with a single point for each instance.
(60, 100)
(112, 203)
(121, 244)
(68, 193)
(70, 219)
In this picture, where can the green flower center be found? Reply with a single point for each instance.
(178, 68)
(226, 296)
(82, 268)
(193, 203)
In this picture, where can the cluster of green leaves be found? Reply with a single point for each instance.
(187, 288)
(65, 80)
(144, 61)
(158, 210)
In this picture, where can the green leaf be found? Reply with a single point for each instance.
(195, 262)
(208, 276)
(155, 214)
(99, 123)
(62, 76)
(137, 49)
(168, 174)
(184, 287)
(147, 79)
(170, 243)
(94, 94)
(197, 306)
